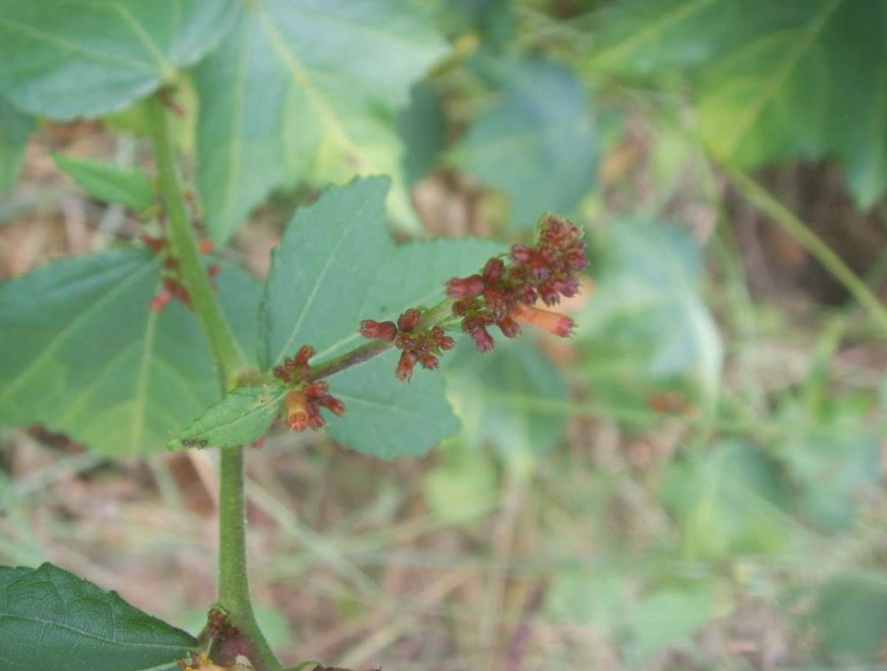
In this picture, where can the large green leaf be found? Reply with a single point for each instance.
(85, 355)
(536, 144)
(86, 58)
(336, 266)
(511, 397)
(51, 619)
(15, 129)
(775, 80)
(305, 91)
(647, 329)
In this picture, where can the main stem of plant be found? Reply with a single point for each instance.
(234, 594)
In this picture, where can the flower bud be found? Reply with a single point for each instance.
(303, 355)
(374, 330)
(404, 370)
(553, 322)
(467, 287)
(509, 327)
(409, 320)
(493, 271)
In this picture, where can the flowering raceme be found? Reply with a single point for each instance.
(304, 402)
(503, 294)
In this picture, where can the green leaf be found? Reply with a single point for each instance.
(15, 129)
(243, 416)
(731, 500)
(69, 58)
(108, 183)
(85, 355)
(512, 397)
(647, 329)
(51, 619)
(754, 64)
(296, 97)
(336, 266)
(422, 126)
(849, 620)
(536, 144)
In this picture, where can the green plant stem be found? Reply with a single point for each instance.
(226, 352)
(435, 316)
(804, 236)
(233, 574)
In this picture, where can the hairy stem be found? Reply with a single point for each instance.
(434, 316)
(233, 577)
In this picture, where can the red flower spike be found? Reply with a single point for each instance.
(303, 407)
(468, 287)
(553, 322)
(404, 370)
(374, 330)
(409, 320)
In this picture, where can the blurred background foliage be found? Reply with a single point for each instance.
(693, 482)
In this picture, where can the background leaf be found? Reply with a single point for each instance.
(51, 619)
(108, 183)
(87, 357)
(536, 144)
(647, 329)
(297, 99)
(509, 397)
(66, 58)
(754, 65)
(15, 129)
(336, 266)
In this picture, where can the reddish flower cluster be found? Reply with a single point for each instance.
(303, 407)
(303, 404)
(296, 368)
(417, 345)
(503, 295)
(172, 288)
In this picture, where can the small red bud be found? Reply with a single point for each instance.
(404, 370)
(441, 339)
(409, 320)
(493, 271)
(496, 303)
(521, 254)
(206, 247)
(428, 361)
(214, 270)
(374, 330)
(404, 342)
(483, 339)
(509, 327)
(334, 405)
(465, 306)
(303, 356)
(467, 287)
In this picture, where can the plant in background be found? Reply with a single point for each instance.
(121, 348)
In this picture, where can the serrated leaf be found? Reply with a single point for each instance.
(69, 58)
(296, 98)
(336, 266)
(84, 354)
(754, 64)
(508, 397)
(15, 129)
(51, 619)
(108, 183)
(536, 144)
(242, 417)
